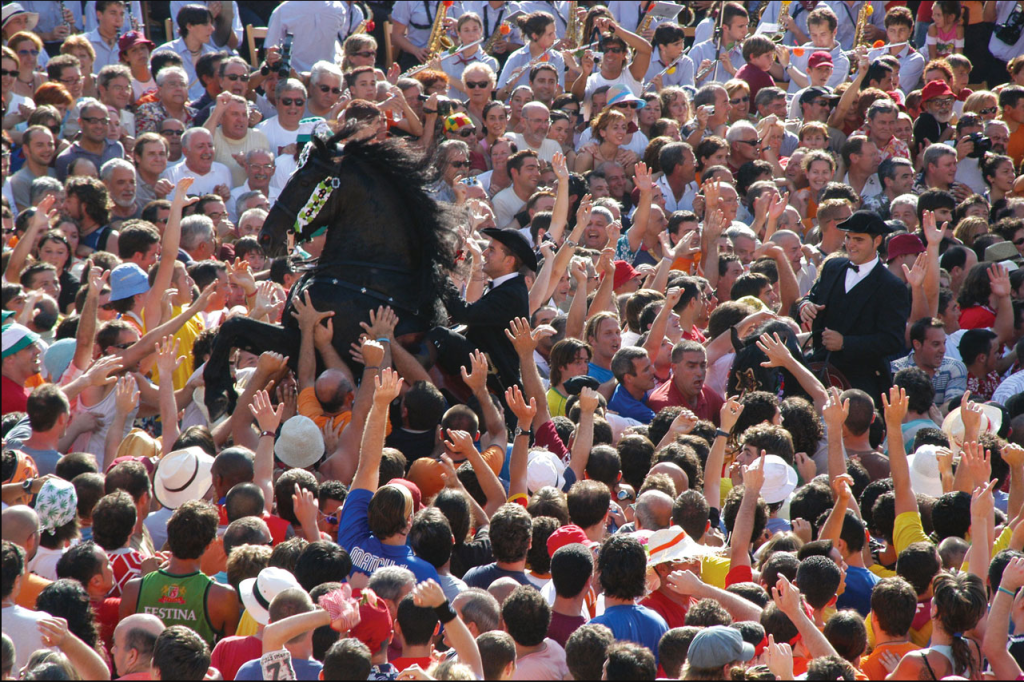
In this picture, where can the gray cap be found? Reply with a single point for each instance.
(717, 646)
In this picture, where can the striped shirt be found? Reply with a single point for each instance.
(949, 380)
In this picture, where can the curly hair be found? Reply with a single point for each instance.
(93, 195)
(511, 532)
(67, 599)
(803, 423)
(191, 529)
(622, 566)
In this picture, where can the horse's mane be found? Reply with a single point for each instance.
(407, 171)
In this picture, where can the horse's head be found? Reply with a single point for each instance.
(299, 208)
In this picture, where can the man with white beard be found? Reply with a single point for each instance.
(119, 177)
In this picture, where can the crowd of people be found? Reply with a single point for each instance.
(738, 310)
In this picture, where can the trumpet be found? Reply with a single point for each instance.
(648, 18)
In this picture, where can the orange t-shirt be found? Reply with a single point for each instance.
(309, 406)
(872, 663)
(1015, 150)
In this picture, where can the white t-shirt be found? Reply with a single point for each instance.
(547, 148)
(506, 204)
(286, 165)
(204, 184)
(277, 136)
(20, 624)
(637, 145)
(596, 80)
(139, 88)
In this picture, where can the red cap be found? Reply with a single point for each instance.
(375, 626)
(567, 535)
(414, 490)
(623, 273)
(935, 89)
(130, 40)
(818, 58)
(903, 245)
(145, 461)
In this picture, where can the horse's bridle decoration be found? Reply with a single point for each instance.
(316, 202)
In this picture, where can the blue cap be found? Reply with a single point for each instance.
(127, 279)
(57, 358)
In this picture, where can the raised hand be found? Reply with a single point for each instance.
(372, 352)
(54, 631)
(684, 582)
(332, 436)
(583, 212)
(270, 363)
(895, 406)
(779, 657)
(305, 506)
(167, 360)
(97, 278)
(99, 373)
(520, 335)
(753, 476)
(787, 597)
(126, 394)
(306, 315)
(730, 413)
(982, 503)
(387, 386)
(971, 414)
(978, 461)
(1013, 574)
(999, 280)
(776, 350)
(524, 411)
(932, 233)
(559, 167)
(642, 177)
(589, 400)
(684, 422)
(266, 416)
(461, 441)
(323, 334)
(428, 594)
(915, 275)
(382, 323)
(476, 377)
(836, 411)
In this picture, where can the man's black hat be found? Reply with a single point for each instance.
(865, 222)
(515, 242)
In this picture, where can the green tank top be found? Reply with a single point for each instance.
(178, 600)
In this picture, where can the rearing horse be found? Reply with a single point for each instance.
(387, 243)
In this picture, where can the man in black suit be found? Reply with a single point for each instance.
(857, 310)
(487, 319)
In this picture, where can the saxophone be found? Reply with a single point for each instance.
(755, 19)
(365, 26)
(439, 39)
(862, 21)
(573, 27)
(500, 31)
(783, 13)
(648, 18)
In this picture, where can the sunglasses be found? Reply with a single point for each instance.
(8, 74)
(34, 53)
(119, 346)
(173, 133)
(331, 519)
(365, 54)
(753, 142)
(467, 132)
(460, 164)
(234, 77)
(944, 101)
(95, 119)
(626, 105)
(614, 50)
(55, 130)
(325, 89)
(740, 100)
(472, 85)
(297, 101)
(989, 110)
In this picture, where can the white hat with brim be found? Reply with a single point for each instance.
(672, 544)
(181, 476)
(780, 479)
(258, 592)
(17, 337)
(924, 471)
(300, 443)
(14, 9)
(953, 424)
(544, 469)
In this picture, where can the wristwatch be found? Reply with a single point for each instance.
(27, 484)
(522, 432)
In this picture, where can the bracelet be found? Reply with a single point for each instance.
(371, 367)
(264, 434)
(383, 339)
(429, 111)
(1006, 591)
(719, 433)
(571, 243)
(445, 613)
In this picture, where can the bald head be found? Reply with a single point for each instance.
(231, 467)
(20, 524)
(653, 510)
(144, 622)
(501, 588)
(535, 108)
(134, 639)
(673, 471)
(333, 390)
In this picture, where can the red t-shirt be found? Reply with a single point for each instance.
(673, 613)
(977, 317)
(278, 529)
(403, 663)
(562, 626)
(708, 405)
(126, 564)
(14, 396)
(231, 653)
(107, 617)
(755, 78)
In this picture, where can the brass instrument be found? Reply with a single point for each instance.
(648, 18)
(781, 32)
(862, 22)
(573, 27)
(363, 27)
(439, 39)
(503, 29)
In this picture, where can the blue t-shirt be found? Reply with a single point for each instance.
(626, 405)
(600, 373)
(366, 551)
(483, 576)
(304, 670)
(857, 596)
(635, 623)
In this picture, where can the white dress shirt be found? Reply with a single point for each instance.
(853, 277)
(872, 185)
(195, 86)
(685, 203)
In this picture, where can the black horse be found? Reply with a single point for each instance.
(387, 243)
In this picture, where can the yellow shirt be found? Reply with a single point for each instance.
(186, 337)
(247, 625)
(556, 402)
(714, 569)
(907, 530)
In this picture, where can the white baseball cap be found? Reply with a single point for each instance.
(543, 468)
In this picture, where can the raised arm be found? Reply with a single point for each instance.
(641, 48)
(476, 379)
(167, 362)
(37, 224)
(739, 543)
(525, 341)
(222, 101)
(169, 243)
(635, 233)
(574, 325)
(584, 439)
(386, 388)
(852, 93)
(126, 399)
(982, 530)
(657, 332)
(85, 336)
(896, 405)
(525, 412)
(779, 356)
(142, 349)
(605, 291)
(462, 443)
(308, 318)
(997, 633)
(787, 597)
(429, 594)
(83, 658)
(728, 415)
(687, 582)
(834, 523)
(263, 464)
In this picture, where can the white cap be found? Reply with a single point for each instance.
(924, 471)
(544, 469)
(780, 479)
(300, 444)
(258, 592)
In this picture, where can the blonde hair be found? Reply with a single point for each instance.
(735, 85)
(976, 100)
(480, 67)
(968, 229)
(138, 443)
(78, 42)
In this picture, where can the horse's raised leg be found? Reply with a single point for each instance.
(253, 337)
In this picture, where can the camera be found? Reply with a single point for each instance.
(982, 145)
(284, 66)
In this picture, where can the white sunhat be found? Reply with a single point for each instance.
(780, 479)
(544, 469)
(953, 424)
(300, 443)
(672, 544)
(924, 471)
(181, 476)
(258, 592)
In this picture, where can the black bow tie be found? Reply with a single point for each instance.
(855, 268)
